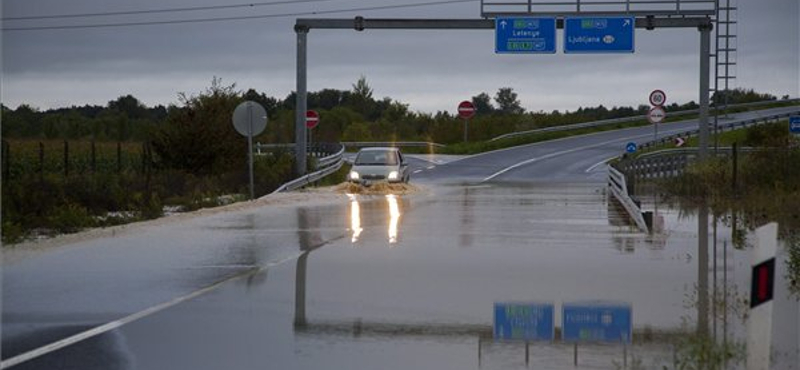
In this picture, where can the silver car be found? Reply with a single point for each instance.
(379, 164)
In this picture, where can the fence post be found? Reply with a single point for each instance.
(144, 157)
(41, 161)
(94, 159)
(6, 159)
(119, 157)
(735, 166)
(66, 158)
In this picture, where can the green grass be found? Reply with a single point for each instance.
(725, 139)
(484, 146)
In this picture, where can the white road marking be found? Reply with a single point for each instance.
(599, 163)
(431, 167)
(417, 171)
(55, 346)
(556, 154)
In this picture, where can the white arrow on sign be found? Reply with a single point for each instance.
(679, 142)
(626, 23)
(503, 24)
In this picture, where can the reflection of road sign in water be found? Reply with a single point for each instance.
(599, 35)
(630, 147)
(525, 36)
(597, 322)
(658, 98)
(656, 115)
(523, 321)
(794, 124)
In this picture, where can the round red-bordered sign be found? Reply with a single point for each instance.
(466, 109)
(658, 98)
(656, 115)
(312, 118)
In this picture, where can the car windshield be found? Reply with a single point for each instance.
(377, 157)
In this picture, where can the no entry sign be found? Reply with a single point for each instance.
(466, 110)
(312, 119)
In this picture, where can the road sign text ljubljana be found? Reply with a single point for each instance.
(599, 35)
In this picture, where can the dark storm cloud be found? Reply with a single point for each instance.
(431, 70)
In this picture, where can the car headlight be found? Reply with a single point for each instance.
(354, 175)
(393, 175)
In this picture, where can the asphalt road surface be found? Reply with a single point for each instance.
(362, 282)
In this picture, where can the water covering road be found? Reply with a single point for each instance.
(365, 281)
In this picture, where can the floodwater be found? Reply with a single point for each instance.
(410, 281)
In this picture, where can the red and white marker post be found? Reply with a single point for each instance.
(466, 110)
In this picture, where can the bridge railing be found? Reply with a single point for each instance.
(619, 189)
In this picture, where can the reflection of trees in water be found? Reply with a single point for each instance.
(743, 216)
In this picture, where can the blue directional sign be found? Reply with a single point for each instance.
(794, 124)
(630, 147)
(597, 322)
(523, 321)
(599, 35)
(525, 35)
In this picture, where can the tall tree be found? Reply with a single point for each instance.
(199, 137)
(483, 103)
(361, 97)
(507, 101)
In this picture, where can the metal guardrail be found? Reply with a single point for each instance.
(364, 144)
(310, 178)
(721, 127)
(619, 188)
(667, 162)
(615, 121)
(671, 162)
(331, 159)
(326, 165)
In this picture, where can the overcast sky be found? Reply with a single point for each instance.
(430, 70)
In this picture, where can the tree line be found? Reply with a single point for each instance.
(346, 115)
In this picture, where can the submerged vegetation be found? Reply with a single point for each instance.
(755, 188)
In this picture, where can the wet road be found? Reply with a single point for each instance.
(364, 282)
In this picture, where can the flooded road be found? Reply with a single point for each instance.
(397, 282)
(321, 280)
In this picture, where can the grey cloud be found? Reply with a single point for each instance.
(428, 69)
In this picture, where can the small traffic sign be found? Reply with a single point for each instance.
(524, 321)
(656, 115)
(466, 109)
(525, 36)
(312, 118)
(599, 35)
(679, 141)
(630, 147)
(794, 124)
(658, 98)
(249, 118)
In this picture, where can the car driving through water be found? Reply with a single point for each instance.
(373, 165)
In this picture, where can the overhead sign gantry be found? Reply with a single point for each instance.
(613, 14)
